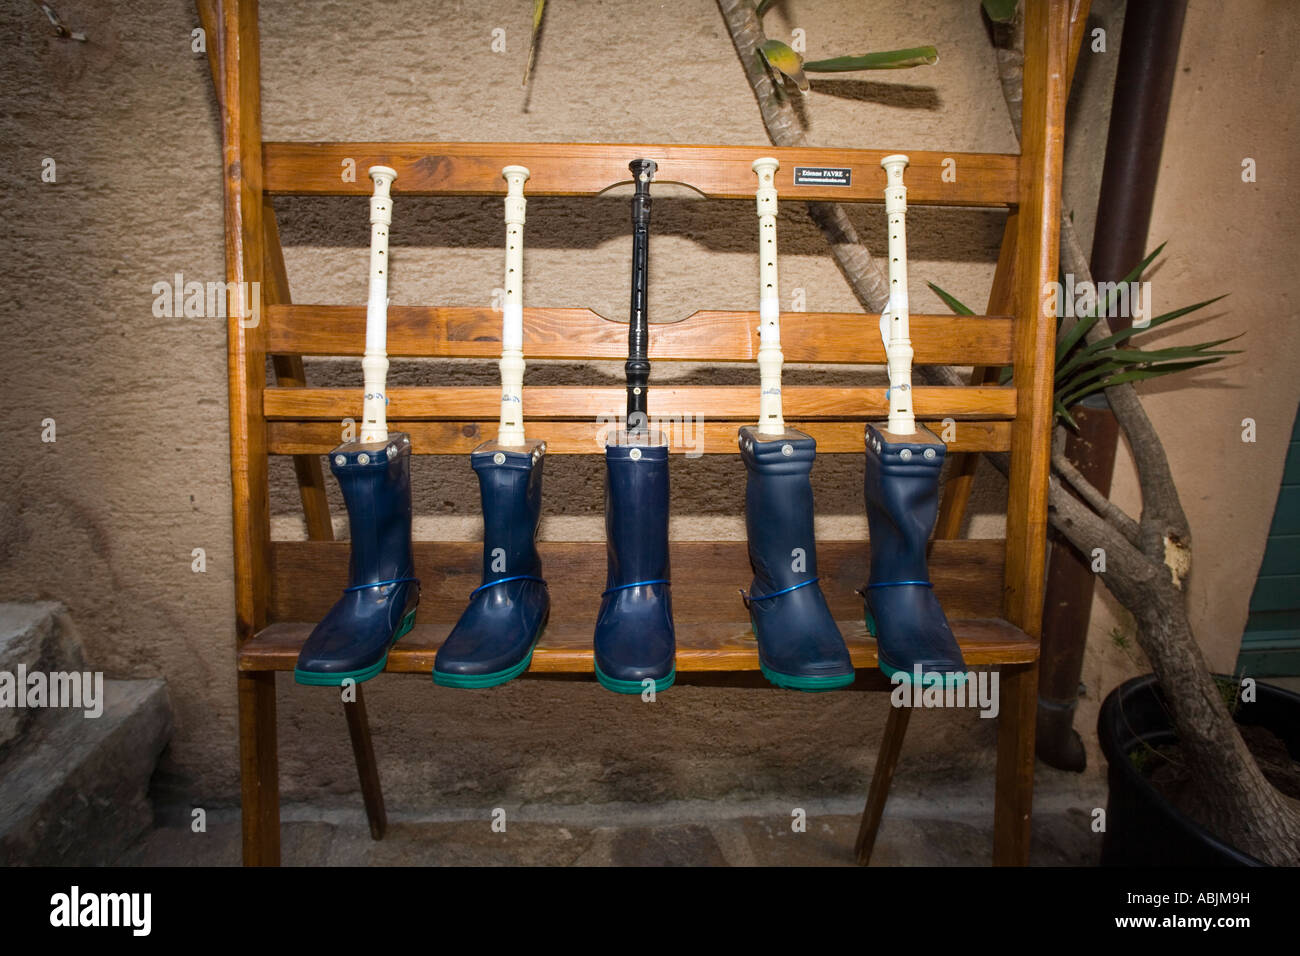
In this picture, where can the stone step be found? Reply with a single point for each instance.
(36, 637)
(74, 789)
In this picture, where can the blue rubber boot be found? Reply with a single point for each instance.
(493, 640)
(799, 645)
(378, 605)
(634, 639)
(902, 613)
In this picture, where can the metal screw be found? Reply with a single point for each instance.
(499, 458)
(635, 454)
(392, 451)
(905, 454)
(340, 459)
(787, 450)
(363, 459)
(930, 454)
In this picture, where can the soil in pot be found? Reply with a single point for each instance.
(1164, 767)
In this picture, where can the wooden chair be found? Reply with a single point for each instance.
(991, 589)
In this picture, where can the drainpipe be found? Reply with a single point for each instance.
(1148, 61)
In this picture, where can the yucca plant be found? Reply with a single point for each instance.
(1084, 368)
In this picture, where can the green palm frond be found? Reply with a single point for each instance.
(1084, 368)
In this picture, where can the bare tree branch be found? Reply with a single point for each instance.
(1165, 535)
(1104, 507)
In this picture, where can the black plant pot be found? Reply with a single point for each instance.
(1142, 827)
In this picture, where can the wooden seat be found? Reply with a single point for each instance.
(712, 625)
(992, 590)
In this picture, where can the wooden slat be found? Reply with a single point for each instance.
(586, 438)
(245, 337)
(457, 332)
(1047, 30)
(583, 169)
(962, 469)
(289, 373)
(728, 402)
(1013, 803)
(712, 624)
(241, 142)
(882, 778)
(307, 576)
(701, 647)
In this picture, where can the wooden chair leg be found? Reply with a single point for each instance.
(891, 745)
(1013, 801)
(259, 769)
(363, 750)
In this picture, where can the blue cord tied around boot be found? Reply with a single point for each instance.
(517, 577)
(634, 584)
(763, 597)
(898, 584)
(380, 584)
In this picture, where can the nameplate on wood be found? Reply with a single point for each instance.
(823, 176)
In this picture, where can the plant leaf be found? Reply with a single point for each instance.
(1104, 307)
(1072, 338)
(539, 8)
(1159, 320)
(885, 60)
(1080, 382)
(1141, 267)
(1063, 412)
(1154, 356)
(1125, 358)
(762, 7)
(785, 61)
(1000, 11)
(1137, 375)
(951, 301)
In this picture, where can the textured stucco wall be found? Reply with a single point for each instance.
(106, 518)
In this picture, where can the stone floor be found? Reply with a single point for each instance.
(687, 834)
